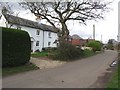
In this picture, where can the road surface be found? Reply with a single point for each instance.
(77, 74)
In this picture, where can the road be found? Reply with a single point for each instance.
(77, 74)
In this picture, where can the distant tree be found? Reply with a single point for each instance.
(60, 12)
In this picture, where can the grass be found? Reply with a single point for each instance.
(39, 54)
(14, 70)
(114, 80)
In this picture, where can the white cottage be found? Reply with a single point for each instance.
(42, 36)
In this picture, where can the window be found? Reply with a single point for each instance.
(18, 27)
(49, 43)
(37, 43)
(49, 34)
(38, 32)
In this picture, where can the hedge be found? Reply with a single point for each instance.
(16, 47)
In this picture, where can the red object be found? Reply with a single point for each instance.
(77, 42)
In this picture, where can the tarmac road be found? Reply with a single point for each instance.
(77, 74)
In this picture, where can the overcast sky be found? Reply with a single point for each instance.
(108, 27)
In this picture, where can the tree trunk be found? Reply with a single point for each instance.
(62, 36)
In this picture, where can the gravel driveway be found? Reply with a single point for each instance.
(44, 63)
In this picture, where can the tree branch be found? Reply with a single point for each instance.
(82, 10)
(58, 12)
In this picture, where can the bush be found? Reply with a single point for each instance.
(96, 45)
(87, 53)
(66, 51)
(48, 49)
(16, 47)
(110, 47)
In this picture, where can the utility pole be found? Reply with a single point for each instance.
(94, 31)
(119, 21)
(119, 31)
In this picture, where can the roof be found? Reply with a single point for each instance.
(75, 36)
(28, 23)
(69, 37)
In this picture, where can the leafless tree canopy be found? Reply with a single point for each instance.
(6, 8)
(60, 12)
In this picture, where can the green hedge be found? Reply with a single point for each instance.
(16, 47)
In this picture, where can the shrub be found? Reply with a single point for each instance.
(87, 53)
(110, 47)
(66, 51)
(48, 49)
(16, 47)
(96, 45)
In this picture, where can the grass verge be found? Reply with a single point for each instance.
(114, 82)
(14, 70)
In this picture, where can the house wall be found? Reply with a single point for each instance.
(77, 42)
(82, 42)
(32, 33)
(50, 39)
(3, 22)
(43, 38)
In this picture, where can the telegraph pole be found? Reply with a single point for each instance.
(119, 31)
(119, 21)
(94, 31)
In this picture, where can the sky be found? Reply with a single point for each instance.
(104, 29)
(107, 28)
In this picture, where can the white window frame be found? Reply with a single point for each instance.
(37, 43)
(49, 34)
(19, 27)
(38, 32)
(49, 43)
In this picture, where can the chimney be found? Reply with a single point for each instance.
(38, 19)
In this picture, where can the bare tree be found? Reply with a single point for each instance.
(59, 12)
(7, 8)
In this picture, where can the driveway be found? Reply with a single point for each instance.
(78, 74)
